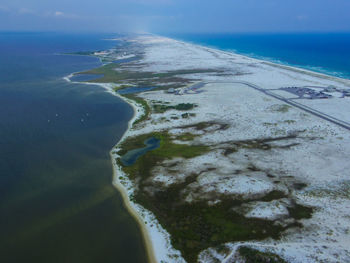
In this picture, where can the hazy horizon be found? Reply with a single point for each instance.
(170, 16)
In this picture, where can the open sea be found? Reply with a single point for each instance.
(57, 203)
(327, 53)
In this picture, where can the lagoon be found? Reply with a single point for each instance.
(131, 156)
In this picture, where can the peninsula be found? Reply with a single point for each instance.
(230, 158)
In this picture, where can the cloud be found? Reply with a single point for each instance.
(58, 13)
(26, 11)
(47, 14)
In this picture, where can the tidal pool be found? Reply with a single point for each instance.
(131, 156)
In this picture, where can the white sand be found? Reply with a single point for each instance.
(318, 157)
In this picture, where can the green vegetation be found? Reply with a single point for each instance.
(274, 195)
(205, 125)
(167, 150)
(299, 186)
(161, 102)
(270, 124)
(251, 255)
(186, 137)
(82, 53)
(141, 102)
(290, 121)
(161, 108)
(187, 115)
(341, 190)
(260, 143)
(300, 212)
(113, 74)
(283, 108)
(195, 226)
(120, 87)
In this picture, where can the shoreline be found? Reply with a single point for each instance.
(150, 237)
(138, 111)
(281, 65)
(261, 59)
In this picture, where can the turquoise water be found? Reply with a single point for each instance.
(131, 156)
(327, 53)
(57, 203)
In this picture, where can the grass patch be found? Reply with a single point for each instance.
(300, 212)
(290, 121)
(188, 115)
(143, 104)
(161, 108)
(195, 226)
(342, 190)
(283, 108)
(251, 255)
(267, 124)
(205, 125)
(111, 73)
(274, 195)
(167, 150)
(186, 137)
(229, 150)
(185, 115)
(259, 143)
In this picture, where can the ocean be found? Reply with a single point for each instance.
(327, 53)
(57, 203)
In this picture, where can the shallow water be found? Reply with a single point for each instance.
(131, 156)
(57, 203)
(85, 77)
(133, 90)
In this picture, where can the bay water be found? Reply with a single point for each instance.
(57, 202)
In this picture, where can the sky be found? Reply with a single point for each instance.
(176, 16)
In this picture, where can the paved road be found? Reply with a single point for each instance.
(312, 111)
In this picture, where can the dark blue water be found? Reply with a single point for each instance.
(133, 90)
(327, 53)
(131, 156)
(57, 203)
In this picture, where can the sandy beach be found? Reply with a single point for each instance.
(138, 111)
(287, 146)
